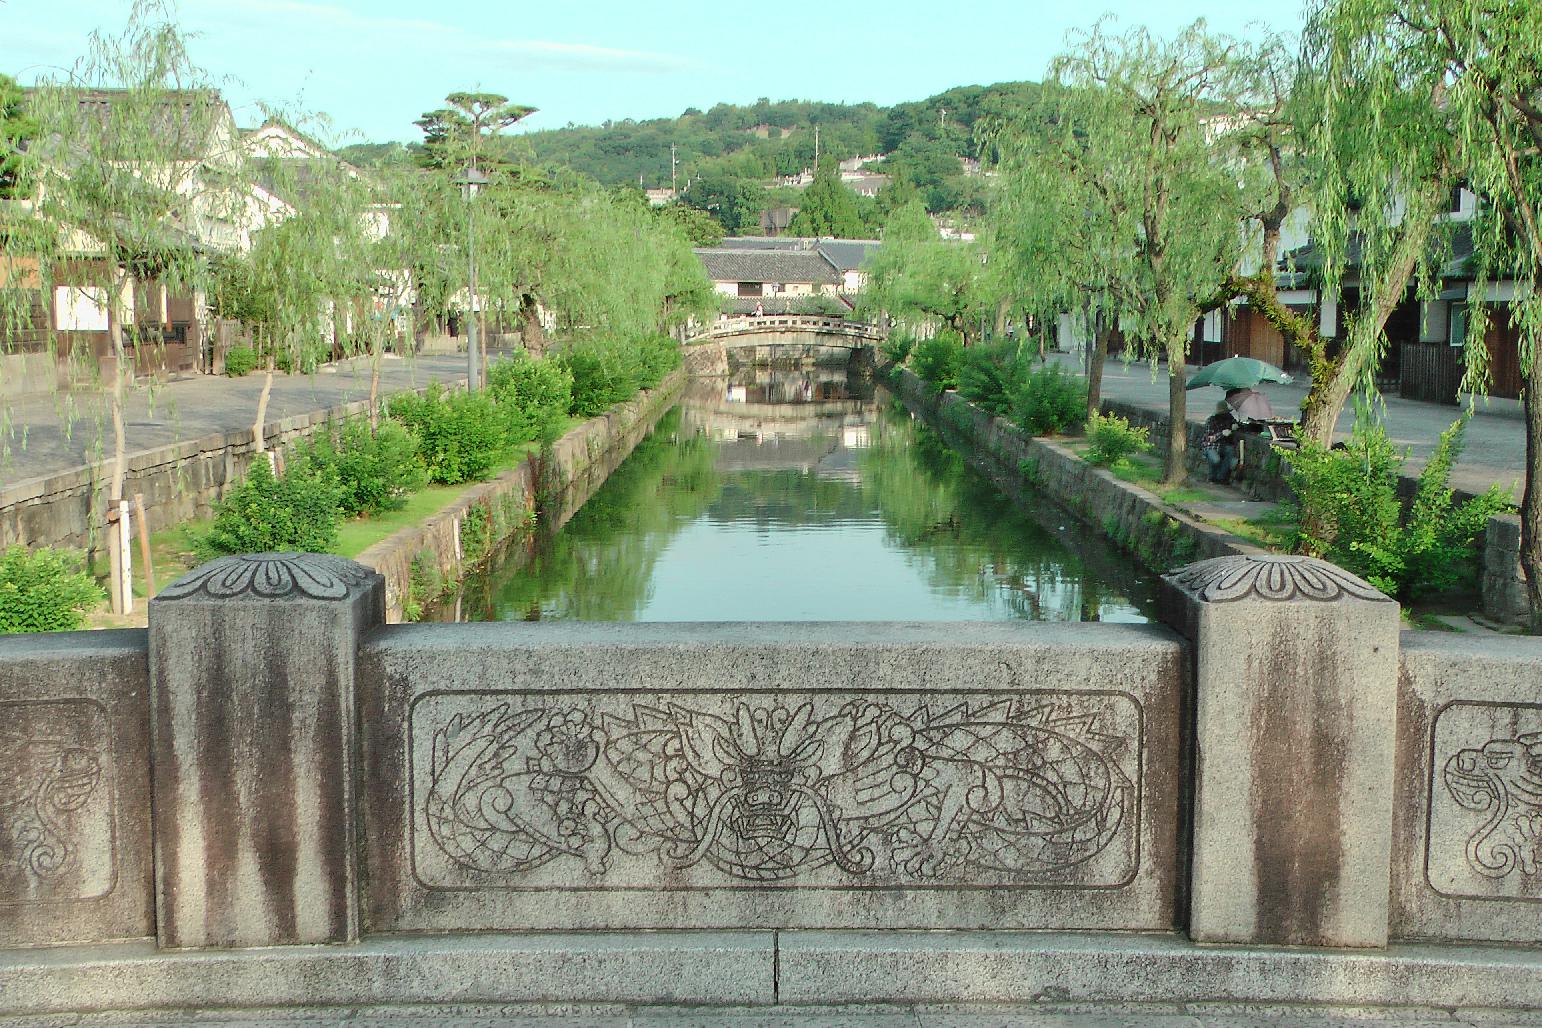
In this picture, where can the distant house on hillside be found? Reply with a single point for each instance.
(865, 183)
(659, 197)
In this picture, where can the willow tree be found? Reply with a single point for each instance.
(1467, 77)
(1062, 233)
(1378, 143)
(595, 262)
(918, 279)
(1154, 115)
(135, 175)
(296, 287)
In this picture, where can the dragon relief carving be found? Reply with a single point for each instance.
(772, 793)
(50, 780)
(1504, 780)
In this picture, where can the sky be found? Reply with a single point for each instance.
(373, 66)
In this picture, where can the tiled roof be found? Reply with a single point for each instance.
(728, 265)
(848, 254)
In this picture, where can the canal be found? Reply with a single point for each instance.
(802, 496)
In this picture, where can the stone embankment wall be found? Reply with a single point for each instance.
(767, 814)
(420, 564)
(180, 482)
(1160, 535)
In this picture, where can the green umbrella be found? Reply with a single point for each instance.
(1236, 373)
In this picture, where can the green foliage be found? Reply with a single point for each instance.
(939, 359)
(918, 278)
(533, 395)
(828, 207)
(17, 128)
(1046, 400)
(43, 590)
(373, 471)
(460, 435)
(1114, 439)
(1350, 513)
(987, 376)
(897, 347)
(240, 361)
(266, 512)
(608, 370)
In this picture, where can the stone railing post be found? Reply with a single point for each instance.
(253, 749)
(1295, 707)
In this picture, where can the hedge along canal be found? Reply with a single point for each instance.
(1158, 534)
(426, 562)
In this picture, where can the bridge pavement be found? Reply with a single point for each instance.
(1038, 1016)
(1495, 449)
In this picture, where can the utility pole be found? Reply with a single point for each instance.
(673, 163)
(816, 149)
(942, 118)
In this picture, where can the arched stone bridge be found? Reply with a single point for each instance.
(779, 340)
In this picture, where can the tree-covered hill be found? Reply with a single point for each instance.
(752, 145)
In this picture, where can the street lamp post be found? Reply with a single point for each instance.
(470, 184)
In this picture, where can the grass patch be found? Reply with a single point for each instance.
(1137, 471)
(1181, 495)
(1427, 621)
(358, 535)
(1274, 529)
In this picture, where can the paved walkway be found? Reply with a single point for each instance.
(43, 436)
(1495, 448)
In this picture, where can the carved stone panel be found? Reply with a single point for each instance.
(552, 790)
(1485, 802)
(56, 802)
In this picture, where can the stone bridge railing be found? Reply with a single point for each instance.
(859, 332)
(270, 767)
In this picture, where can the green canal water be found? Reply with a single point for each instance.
(796, 496)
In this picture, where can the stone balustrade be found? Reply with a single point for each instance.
(271, 766)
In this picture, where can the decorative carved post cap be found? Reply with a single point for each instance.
(1270, 578)
(273, 576)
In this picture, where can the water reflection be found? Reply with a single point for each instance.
(802, 496)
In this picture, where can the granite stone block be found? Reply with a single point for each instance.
(252, 667)
(1467, 833)
(75, 849)
(1295, 718)
(701, 776)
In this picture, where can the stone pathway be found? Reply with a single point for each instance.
(1496, 436)
(42, 436)
(1044, 1016)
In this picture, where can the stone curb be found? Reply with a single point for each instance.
(780, 972)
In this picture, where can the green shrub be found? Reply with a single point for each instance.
(373, 471)
(896, 348)
(657, 356)
(1349, 513)
(606, 371)
(987, 375)
(44, 590)
(1048, 401)
(939, 359)
(1114, 439)
(533, 395)
(240, 360)
(459, 435)
(266, 512)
